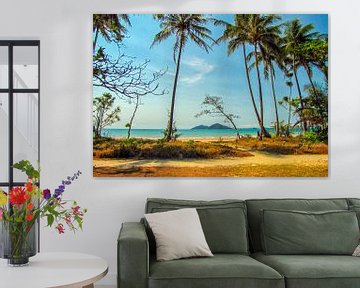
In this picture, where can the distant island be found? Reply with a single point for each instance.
(213, 126)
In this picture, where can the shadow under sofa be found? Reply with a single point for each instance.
(232, 229)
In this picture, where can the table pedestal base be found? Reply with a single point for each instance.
(89, 286)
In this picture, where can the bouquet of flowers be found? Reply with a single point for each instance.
(23, 206)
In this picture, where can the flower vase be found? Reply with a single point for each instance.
(18, 242)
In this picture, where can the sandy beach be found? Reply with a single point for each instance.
(261, 164)
(197, 139)
(216, 117)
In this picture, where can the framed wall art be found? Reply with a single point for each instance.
(210, 95)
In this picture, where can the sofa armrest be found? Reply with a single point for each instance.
(133, 256)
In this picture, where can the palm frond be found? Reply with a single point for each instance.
(184, 27)
(162, 35)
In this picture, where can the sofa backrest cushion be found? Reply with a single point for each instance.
(354, 205)
(255, 206)
(297, 232)
(223, 221)
(353, 202)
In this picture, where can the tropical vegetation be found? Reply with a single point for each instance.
(104, 113)
(288, 45)
(185, 27)
(280, 49)
(283, 63)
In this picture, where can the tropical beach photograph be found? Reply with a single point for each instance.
(210, 95)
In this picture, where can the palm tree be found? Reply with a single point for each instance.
(237, 36)
(270, 56)
(185, 27)
(269, 72)
(263, 35)
(296, 35)
(109, 26)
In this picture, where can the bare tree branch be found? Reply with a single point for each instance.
(123, 76)
(213, 106)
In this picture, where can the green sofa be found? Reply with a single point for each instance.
(233, 231)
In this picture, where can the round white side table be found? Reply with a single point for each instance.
(54, 270)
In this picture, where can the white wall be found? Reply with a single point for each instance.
(64, 28)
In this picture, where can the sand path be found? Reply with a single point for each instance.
(259, 158)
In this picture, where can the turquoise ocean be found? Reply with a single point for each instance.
(184, 133)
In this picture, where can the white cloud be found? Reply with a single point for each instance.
(170, 73)
(198, 69)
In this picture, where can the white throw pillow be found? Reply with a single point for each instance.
(357, 251)
(178, 234)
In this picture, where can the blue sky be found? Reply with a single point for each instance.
(201, 74)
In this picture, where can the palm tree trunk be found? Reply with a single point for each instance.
(307, 69)
(316, 92)
(277, 124)
(171, 117)
(262, 128)
(95, 40)
(300, 95)
(249, 85)
(324, 70)
(289, 115)
(252, 94)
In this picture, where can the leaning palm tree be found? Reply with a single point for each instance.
(237, 36)
(296, 35)
(109, 26)
(185, 28)
(269, 56)
(263, 34)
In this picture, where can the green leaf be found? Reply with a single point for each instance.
(26, 167)
(50, 219)
(52, 211)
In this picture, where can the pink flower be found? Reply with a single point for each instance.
(76, 210)
(60, 228)
(1, 214)
(68, 219)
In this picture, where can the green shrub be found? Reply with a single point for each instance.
(310, 137)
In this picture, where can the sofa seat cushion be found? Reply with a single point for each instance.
(313, 271)
(222, 270)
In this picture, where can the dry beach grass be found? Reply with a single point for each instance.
(247, 157)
